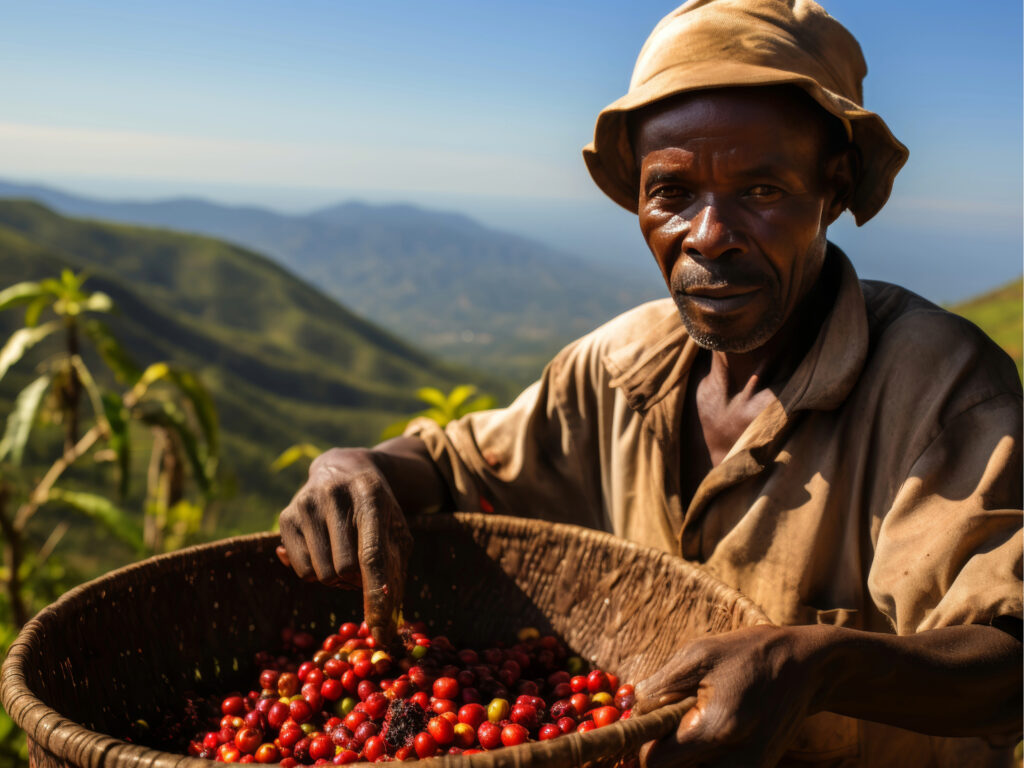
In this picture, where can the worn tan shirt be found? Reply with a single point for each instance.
(881, 490)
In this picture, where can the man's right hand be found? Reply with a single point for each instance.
(344, 527)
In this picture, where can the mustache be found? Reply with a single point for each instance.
(715, 275)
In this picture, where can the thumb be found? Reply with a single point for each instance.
(282, 555)
(671, 683)
(685, 747)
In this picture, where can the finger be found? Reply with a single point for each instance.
(379, 593)
(678, 678)
(645, 705)
(282, 555)
(318, 544)
(295, 548)
(688, 746)
(343, 552)
(665, 688)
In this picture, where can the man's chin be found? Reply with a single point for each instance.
(731, 339)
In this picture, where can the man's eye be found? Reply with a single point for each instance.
(669, 190)
(763, 191)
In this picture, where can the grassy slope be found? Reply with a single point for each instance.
(999, 313)
(284, 362)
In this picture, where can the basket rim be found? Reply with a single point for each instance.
(44, 725)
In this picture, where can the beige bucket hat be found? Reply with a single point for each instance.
(727, 43)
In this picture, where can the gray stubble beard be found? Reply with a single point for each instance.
(759, 335)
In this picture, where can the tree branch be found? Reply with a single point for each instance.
(41, 492)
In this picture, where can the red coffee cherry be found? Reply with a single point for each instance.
(425, 744)
(446, 688)
(548, 731)
(374, 748)
(605, 716)
(472, 714)
(513, 734)
(598, 681)
(489, 735)
(442, 731)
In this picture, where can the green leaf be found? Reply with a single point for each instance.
(460, 395)
(154, 373)
(432, 396)
(294, 453)
(21, 341)
(35, 309)
(120, 438)
(21, 293)
(71, 282)
(202, 404)
(183, 522)
(20, 420)
(98, 302)
(104, 512)
(114, 355)
(53, 287)
(91, 389)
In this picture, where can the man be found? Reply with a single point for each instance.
(844, 453)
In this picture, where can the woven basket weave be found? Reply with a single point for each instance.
(130, 644)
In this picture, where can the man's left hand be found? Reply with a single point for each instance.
(754, 687)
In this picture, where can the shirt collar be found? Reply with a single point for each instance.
(648, 368)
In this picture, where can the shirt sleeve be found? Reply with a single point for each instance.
(530, 459)
(949, 549)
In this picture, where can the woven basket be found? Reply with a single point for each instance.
(130, 644)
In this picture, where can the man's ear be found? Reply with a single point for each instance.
(842, 171)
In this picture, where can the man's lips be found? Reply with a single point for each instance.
(721, 291)
(720, 299)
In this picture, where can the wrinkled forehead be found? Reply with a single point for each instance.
(776, 116)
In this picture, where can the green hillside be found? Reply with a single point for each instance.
(999, 313)
(284, 362)
(466, 292)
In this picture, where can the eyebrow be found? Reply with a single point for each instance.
(769, 169)
(659, 175)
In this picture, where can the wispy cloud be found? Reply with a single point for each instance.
(43, 150)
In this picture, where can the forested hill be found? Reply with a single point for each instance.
(285, 362)
(452, 286)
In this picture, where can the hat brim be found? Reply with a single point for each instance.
(612, 164)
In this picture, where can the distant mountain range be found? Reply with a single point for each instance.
(468, 293)
(284, 362)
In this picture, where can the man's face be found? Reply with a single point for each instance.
(736, 192)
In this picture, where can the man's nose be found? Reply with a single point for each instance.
(710, 236)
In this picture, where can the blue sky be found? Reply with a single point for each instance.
(482, 107)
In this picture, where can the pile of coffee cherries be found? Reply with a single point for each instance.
(352, 701)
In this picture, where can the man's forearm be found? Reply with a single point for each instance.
(414, 478)
(954, 681)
